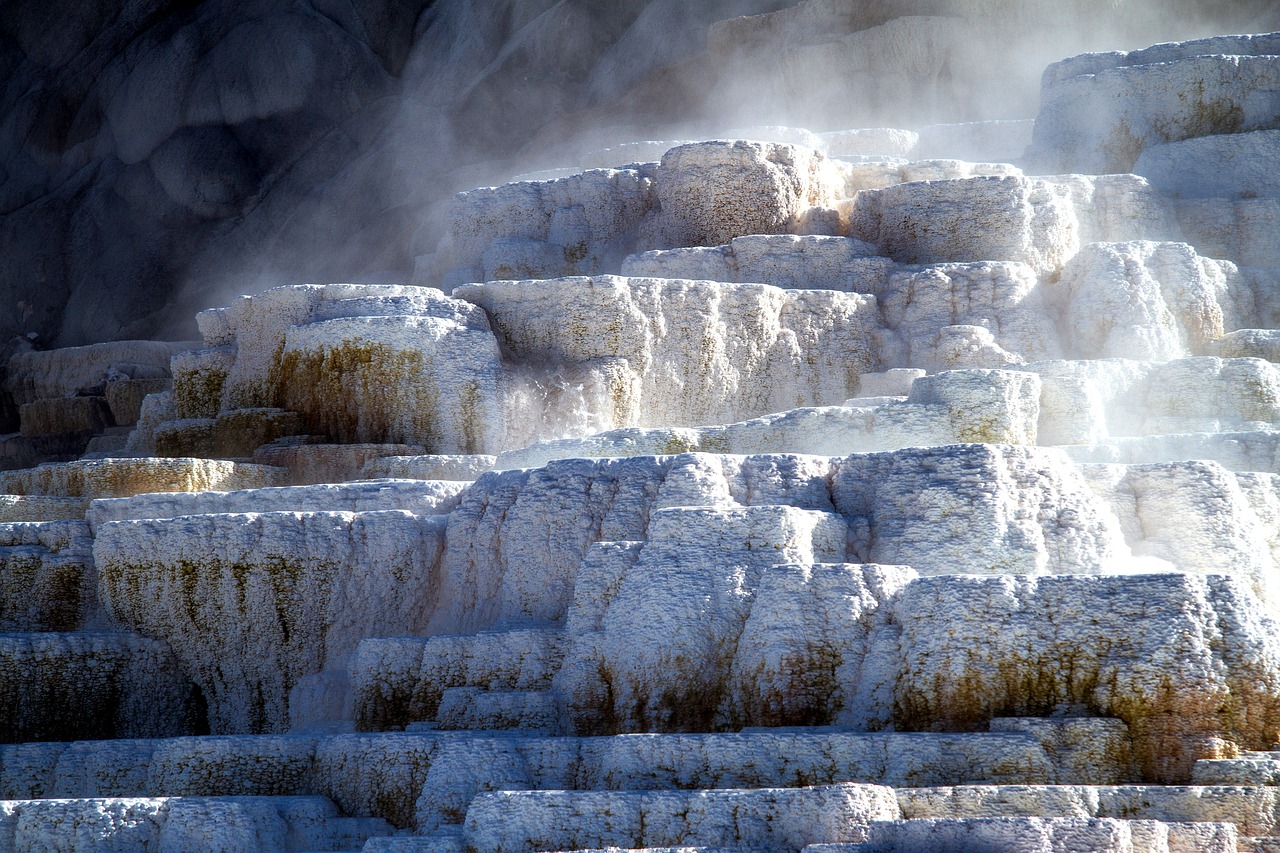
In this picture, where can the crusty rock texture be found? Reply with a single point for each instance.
(885, 503)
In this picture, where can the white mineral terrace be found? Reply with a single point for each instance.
(758, 498)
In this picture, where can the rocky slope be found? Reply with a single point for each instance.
(161, 156)
(783, 498)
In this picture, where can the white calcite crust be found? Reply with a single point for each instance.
(421, 497)
(1251, 809)
(975, 219)
(946, 408)
(677, 352)
(872, 477)
(1146, 300)
(48, 581)
(747, 820)
(581, 224)
(428, 467)
(1040, 835)
(41, 508)
(43, 374)
(711, 192)
(783, 260)
(1100, 112)
(175, 824)
(1194, 649)
(56, 686)
(224, 591)
(417, 380)
(114, 478)
(1229, 165)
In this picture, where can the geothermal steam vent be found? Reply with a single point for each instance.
(789, 492)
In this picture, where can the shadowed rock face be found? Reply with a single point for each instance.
(146, 144)
(158, 155)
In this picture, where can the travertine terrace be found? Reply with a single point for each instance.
(757, 497)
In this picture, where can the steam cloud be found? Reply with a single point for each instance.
(159, 158)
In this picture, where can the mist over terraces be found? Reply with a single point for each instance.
(827, 427)
(162, 157)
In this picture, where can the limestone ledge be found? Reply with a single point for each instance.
(1039, 835)
(675, 353)
(41, 508)
(48, 581)
(123, 477)
(947, 408)
(416, 496)
(45, 374)
(801, 660)
(57, 686)
(617, 548)
(778, 818)
(180, 824)
(428, 467)
(253, 602)
(1165, 93)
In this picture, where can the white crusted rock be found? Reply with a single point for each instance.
(1240, 230)
(172, 824)
(380, 774)
(399, 680)
(91, 684)
(416, 496)
(807, 655)
(260, 326)
(1147, 300)
(1197, 517)
(473, 708)
(711, 192)
(1231, 165)
(428, 467)
(47, 576)
(114, 478)
(103, 768)
(668, 637)
(417, 380)
(1149, 97)
(677, 353)
(156, 410)
(947, 408)
(1252, 810)
(28, 770)
(1084, 750)
(921, 303)
(974, 508)
(758, 758)
(975, 219)
(783, 260)
(198, 380)
(251, 603)
(1178, 657)
(576, 225)
(1247, 343)
(231, 766)
(1026, 835)
(757, 820)
(1084, 402)
(1118, 208)
(1042, 835)
(62, 372)
(41, 508)
(1253, 450)
(320, 464)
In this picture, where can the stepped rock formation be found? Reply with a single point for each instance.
(789, 491)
